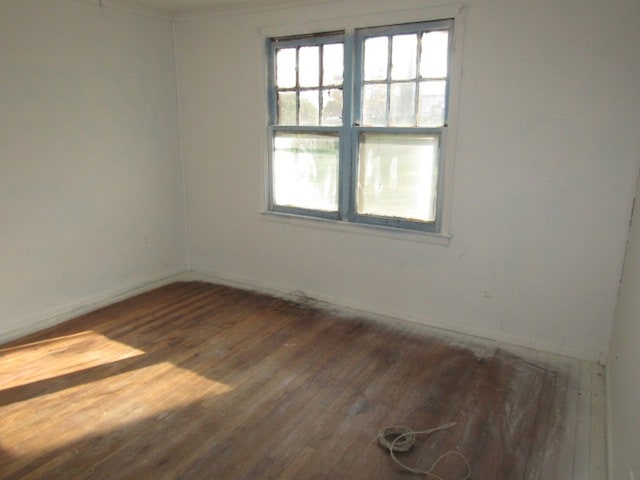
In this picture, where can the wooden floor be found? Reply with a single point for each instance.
(199, 381)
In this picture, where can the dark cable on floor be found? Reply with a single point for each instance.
(403, 439)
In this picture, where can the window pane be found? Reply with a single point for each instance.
(287, 108)
(305, 171)
(332, 64)
(309, 107)
(403, 57)
(374, 105)
(332, 107)
(286, 68)
(376, 53)
(397, 176)
(433, 60)
(402, 105)
(309, 66)
(432, 99)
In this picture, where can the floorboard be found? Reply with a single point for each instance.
(201, 381)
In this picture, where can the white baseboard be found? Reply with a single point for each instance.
(89, 304)
(347, 306)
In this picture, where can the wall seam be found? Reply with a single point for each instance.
(183, 177)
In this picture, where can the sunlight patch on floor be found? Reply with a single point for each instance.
(96, 408)
(55, 357)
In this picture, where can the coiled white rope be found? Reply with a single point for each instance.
(403, 439)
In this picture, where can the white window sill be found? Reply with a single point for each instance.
(357, 228)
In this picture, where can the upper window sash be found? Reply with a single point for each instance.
(403, 65)
(310, 96)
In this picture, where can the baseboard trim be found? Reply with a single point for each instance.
(62, 314)
(89, 304)
(350, 308)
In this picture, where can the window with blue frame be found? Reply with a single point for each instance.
(357, 122)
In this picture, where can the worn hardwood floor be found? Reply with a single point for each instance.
(199, 381)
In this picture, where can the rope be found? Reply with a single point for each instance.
(403, 440)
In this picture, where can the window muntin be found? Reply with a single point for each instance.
(357, 124)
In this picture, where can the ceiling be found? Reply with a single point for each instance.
(182, 6)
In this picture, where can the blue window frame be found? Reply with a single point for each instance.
(357, 122)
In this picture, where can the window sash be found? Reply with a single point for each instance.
(311, 131)
(298, 42)
(359, 82)
(397, 222)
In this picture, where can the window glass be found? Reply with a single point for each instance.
(432, 103)
(405, 52)
(332, 107)
(286, 68)
(305, 171)
(287, 108)
(374, 104)
(332, 64)
(309, 107)
(397, 176)
(309, 66)
(434, 57)
(402, 104)
(376, 54)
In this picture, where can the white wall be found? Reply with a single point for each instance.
(624, 363)
(547, 152)
(91, 201)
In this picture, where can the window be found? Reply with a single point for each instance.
(357, 122)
